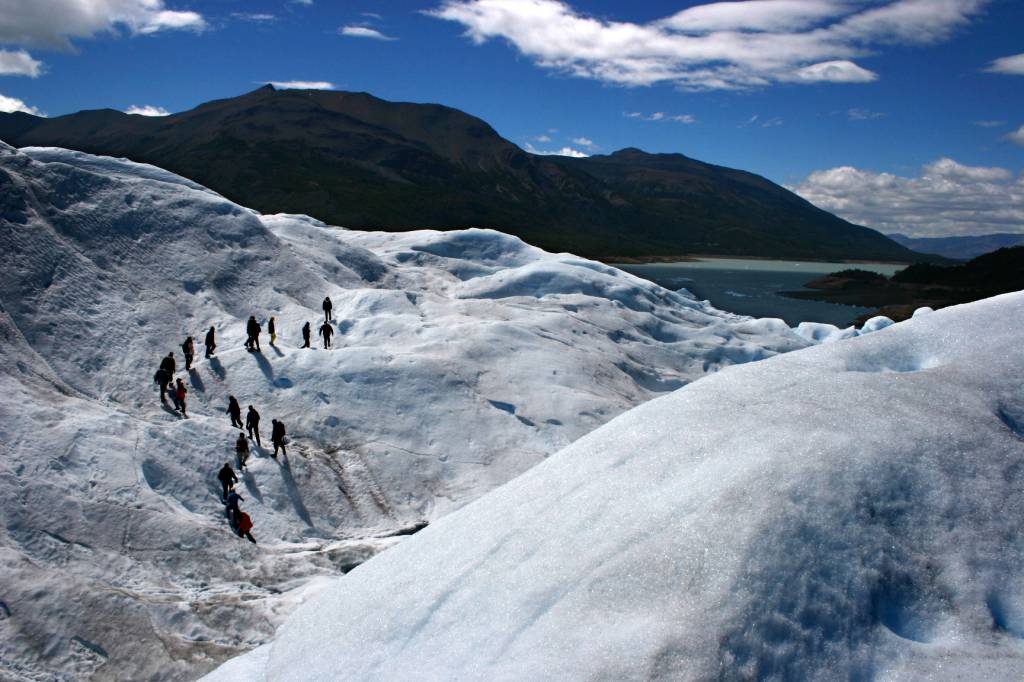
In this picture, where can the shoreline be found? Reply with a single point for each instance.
(695, 258)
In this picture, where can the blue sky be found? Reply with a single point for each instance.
(855, 103)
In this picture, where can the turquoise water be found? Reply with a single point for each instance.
(751, 287)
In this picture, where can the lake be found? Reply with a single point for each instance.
(751, 287)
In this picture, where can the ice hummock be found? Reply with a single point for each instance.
(849, 511)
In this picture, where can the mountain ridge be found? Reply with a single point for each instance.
(356, 160)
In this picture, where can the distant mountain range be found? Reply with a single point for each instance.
(960, 248)
(355, 160)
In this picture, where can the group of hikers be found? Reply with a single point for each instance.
(239, 521)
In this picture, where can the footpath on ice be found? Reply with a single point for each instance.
(852, 511)
(461, 360)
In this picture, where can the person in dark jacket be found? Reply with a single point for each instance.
(235, 410)
(245, 527)
(272, 330)
(328, 306)
(232, 510)
(211, 342)
(252, 328)
(168, 364)
(327, 332)
(163, 378)
(252, 424)
(189, 350)
(227, 479)
(277, 437)
(305, 335)
(179, 397)
(242, 450)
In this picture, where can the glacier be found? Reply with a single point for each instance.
(462, 360)
(849, 511)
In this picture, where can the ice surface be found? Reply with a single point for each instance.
(850, 511)
(462, 359)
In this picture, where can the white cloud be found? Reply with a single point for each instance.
(307, 3)
(11, 104)
(542, 138)
(1017, 136)
(684, 118)
(53, 23)
(19, 63)
(863, 114)
(257, 17)
(302, 85)
(989, 124)
(364, 32)
(147, 110)
(564, 151)
(1013, 66)
(946, 198)
(727, 45)
(583, 141)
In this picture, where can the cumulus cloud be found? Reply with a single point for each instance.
(660, 116)
(364, 32)
(723, 45)
(19, 63)
(564, 151)
(1017, 136)
(946, 198)
(53, 23)
(147, 110)
(583, 141)
(857, 114)
(256, 17)
(302, 85)
(1013, 66)
(12, 104)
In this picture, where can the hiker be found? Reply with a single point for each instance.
(235, 410)
(233, 511)
(272, 331)
(245, 527)
(277, 437)
(163, 378)
(252, 328)
(227, 479)
(179, 397)
(252, 424)
(189, 349)
(211, 342)
(327, 309)
(242, 450)
(168, 364)
(305, 335)
(327, 332)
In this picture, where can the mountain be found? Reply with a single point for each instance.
(851, 511)
(461, 359)
(959, 248)
(355, 160)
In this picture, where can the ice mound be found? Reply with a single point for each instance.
(816, 516)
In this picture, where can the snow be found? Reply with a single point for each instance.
(848, 511)
(462, 359)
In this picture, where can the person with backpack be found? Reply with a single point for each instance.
(245, 527)
(211, 342)
(242, 450)
(168, 364)
(232, 510)
(235, 410)
(305, 335)
(252, 424)
(163, 378)
(253, 330)
(189, 350)
(277, 437)
(327, 332)
(328, 306)
(272, 330)
(227, 479)
(179, 397)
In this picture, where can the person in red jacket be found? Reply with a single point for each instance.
(179, 397)
(245, 526)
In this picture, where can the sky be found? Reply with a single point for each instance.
(904, 115)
